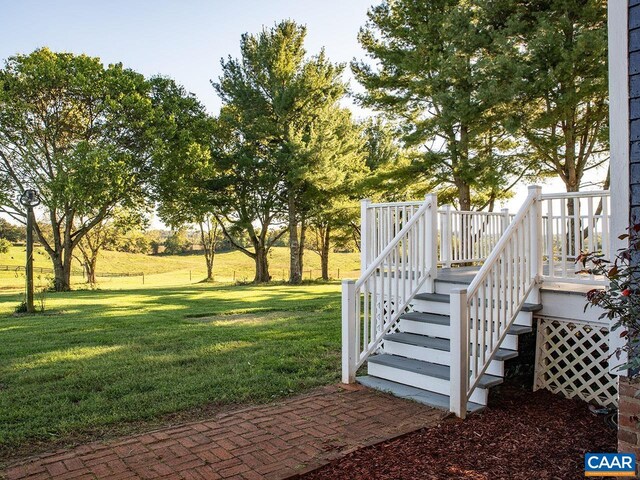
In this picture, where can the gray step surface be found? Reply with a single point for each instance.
(443, 298)
(427, 368)
(407, 392)
(443, 344)
(445, 320)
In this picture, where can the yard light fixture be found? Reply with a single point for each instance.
(29, 199)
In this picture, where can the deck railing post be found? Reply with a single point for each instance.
(504, 220)
(431, 241)
(459, 369)
(365, 236)
(536, 242)
(445, 238)
(348, 331)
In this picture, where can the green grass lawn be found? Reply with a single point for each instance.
(101, 361)
(164, 270)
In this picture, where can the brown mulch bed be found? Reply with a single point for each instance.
(523, 435)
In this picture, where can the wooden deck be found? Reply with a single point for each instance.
(465, 275)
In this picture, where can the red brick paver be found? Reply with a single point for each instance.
(266, 442)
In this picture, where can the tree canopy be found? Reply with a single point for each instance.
(78, 132)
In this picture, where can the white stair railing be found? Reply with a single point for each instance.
(469, 236)
(372, 305)
(464, 236)
(574, 223)
(482, 314)
(380, 223)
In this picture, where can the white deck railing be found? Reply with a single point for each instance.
(463, 237)
(469, 237)
(482, 314)
(574, 223)
(372, 305)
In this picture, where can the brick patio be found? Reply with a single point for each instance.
(266, 442)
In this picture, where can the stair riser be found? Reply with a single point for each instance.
(523, 318)
(424, 306)
(442, 331)
(432, 355)
(446, 287)
(425, 382)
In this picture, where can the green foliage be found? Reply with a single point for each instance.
(96, 121)
(11, 232)
(620, 300)
(4, 245)
(555, 55)
(290, 140)
(437, 78)
(177, 242)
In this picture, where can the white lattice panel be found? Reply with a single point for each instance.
(571, 359)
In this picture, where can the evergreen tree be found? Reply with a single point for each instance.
(435, 76)
(278, 98)
(555, 53)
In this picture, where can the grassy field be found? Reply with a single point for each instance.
(164, 270)
(107, 362)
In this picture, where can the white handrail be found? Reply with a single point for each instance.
(464, 236)
(372, 305)
(574, 223)
(500, 246)
(482, 314)
(375, 265)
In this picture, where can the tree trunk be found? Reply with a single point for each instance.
(324, 253)
(301, 242)
(62, 274)
(91, 270)
(262, 266)
(209, 261)
(295, 270)
(208, 240)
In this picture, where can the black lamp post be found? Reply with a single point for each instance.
(30, 199)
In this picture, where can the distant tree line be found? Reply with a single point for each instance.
(470, 99)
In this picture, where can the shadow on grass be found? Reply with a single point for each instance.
(136, 355)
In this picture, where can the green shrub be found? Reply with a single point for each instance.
(4, 245)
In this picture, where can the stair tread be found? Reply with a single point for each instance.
(427, 318)
(407, 392)
(443, 344)
(426, 368)
(445, 298)
(445, 320)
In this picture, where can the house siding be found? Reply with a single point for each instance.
(629, 389)
(634, 109)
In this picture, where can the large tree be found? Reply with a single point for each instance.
(279, 97)
(433, 73)
(78, 132)
(246, 192)
(182, 161)
(105, 235)
(555, 54)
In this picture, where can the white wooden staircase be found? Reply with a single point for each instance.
(441, 335)
(414, 361)
(442, 342)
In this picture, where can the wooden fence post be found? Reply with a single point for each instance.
(536, 242)
(431, 241)
(459, 369)
(364, 233)
(445, 239)
(348, 331)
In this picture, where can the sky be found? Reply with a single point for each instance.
(183, 39)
